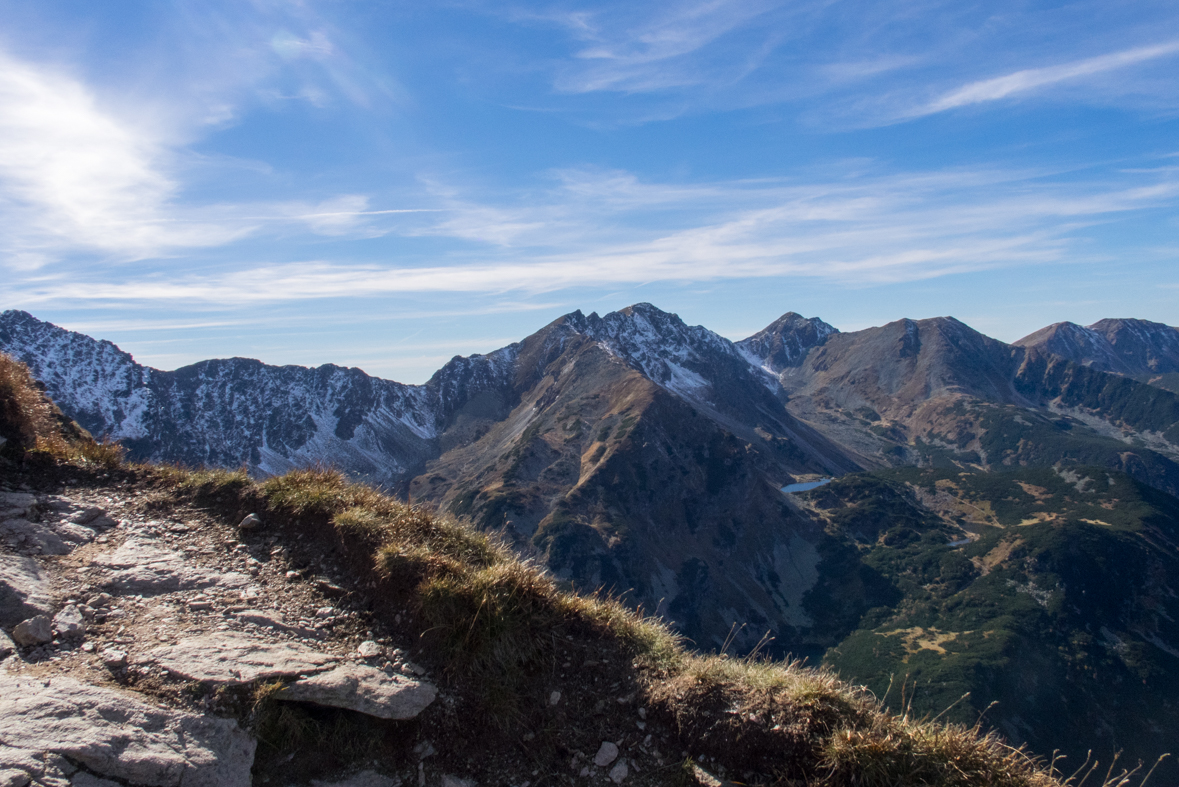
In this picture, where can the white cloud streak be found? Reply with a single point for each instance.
(1031, 79)
(855, 232)
(76, 176)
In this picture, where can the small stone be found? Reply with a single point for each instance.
(325, 612)
(113, 658)
(554, 698)
(369, 649)
(607, 754)
(88, 647)
(292, 575)
(424, 749)
(619, 772)
(69, 622)
(37, 630)
(86, 516)
(251, 522)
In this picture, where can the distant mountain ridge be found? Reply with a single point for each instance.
(631, 450)
(1144, 350)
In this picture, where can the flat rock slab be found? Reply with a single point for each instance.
(139, 566)
(232, 658)
(118, 736)
(37, 537)
(363, 689)
(24, 589)
(14, 504)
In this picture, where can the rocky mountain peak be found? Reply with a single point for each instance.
(671, 353)
(786, 341)
(1134, 348)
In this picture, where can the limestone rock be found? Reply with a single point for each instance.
(7, 647)
(607, 753)
(233, 658)
(33, 537)
(37, 630)
(17, 504)
(139, 566)
(364, 689)
(86, 515)
(113, 658)
(117, 736)
(10, 777)
(619, 772)
(369, 649)
(69, 622)
(251, 522)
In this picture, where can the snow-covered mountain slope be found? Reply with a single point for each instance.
(235, 411)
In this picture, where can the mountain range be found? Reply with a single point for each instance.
(645, 457)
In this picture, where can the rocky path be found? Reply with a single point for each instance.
(127, 628)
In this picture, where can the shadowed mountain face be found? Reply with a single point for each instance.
(1146, 351)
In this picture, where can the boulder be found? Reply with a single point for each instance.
(233, 658)
(139, 566)
(17, 504)
(37, 630)
(32, 537)
(363, 689)
(111, 734)
(69, 622)
(24, 589)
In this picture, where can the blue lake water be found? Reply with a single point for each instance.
(806, 486)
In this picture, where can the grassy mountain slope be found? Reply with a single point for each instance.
(1048, 592)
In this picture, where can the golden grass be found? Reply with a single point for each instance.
(26, 415)
(33, 422)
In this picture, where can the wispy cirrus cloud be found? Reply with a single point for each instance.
(664, 51)
(857, 230)
(1032, 79)
(76, 175)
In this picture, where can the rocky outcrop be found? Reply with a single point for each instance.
(363, 689)
(236, 658)
(141, 566)
(120, 599)
(117, 735)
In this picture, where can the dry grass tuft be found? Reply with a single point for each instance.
(26, 414)
(33, 423)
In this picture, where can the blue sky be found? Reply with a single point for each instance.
(387, 185)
